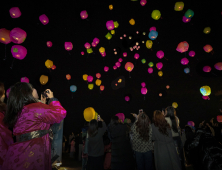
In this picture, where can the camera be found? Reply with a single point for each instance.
(44, 94)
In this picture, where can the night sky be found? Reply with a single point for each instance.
(66, 25)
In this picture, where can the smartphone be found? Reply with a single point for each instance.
(98, 118)
(140, 111)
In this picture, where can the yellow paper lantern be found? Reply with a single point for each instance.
(89, 114)
(111, 7)
(156, 14)
(149, 44)
(207, 30)
(160, 73)
(175, 105)
(96, 115)
(48, 63)
(132, 21)
(43, 79)
(112, 32)
(90, 86)
(101, 49)
(98, 82)
(179, 6)
(85, 77)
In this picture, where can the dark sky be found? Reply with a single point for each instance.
(66, 25)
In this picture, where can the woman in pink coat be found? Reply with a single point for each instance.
(31, 121)
(5, 133)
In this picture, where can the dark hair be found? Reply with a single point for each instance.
(93, 128)
(160, 122)
(114, 120)
(2, 105)
(142, 126)
(19, 96)
(170, 113)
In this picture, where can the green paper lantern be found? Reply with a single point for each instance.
(143, 61)
(189, 13)
(108, 36)
(150, 64)
(116, 24)
(89, 50)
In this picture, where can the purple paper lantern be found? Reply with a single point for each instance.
(185, 19)
(136, 56)
(110, 25)
(68, 46)
(120, 60)
(218, 66)
(125, 54)
(143, 84)
(184, 61)
(106, 69)
(24, 79)
(127, 98)
(15, 12)
(18, 35)
(96, 40)
(103, 54)
(44, 19)
(143, 2)
(192, 53)
(114, 67)
(118, 64)
(160, 54)
(49, 44)
(159, 66)
(144, 90)
(87, 45)
(207, 69)
(150, 70)
(19, 52)
(153, 29)
(84, 14)
(89, 78)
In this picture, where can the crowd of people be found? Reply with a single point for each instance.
(123, 144)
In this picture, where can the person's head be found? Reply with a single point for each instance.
(142, 126)
(34, 93)
(2, 98)
(93, 128)
(19, 96)
(114, 120)
(170, 112)
(160, 122)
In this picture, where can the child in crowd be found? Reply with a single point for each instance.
(72, 148)
(84, 156)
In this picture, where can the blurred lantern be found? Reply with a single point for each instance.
(110, 25)
(19, 52)
(143, 61)
(106, 68)
(167, 87)
(110, 7)
(98, 82)
(150, 64)
(182, 47)
(144, 90)
(153, 35)
(184, 61)
(136, 56)
(129, 66)
(179, 6)
(187, 70)
(84, 14)
(160, 73)
(185, 19)
(160, 94)
(85, 77)
(17, 35)
(82, 53)
(49, 44)
(205, 97)
(132, 22)
(150, 70)
(127, 98)
(205, 90)
(98, 75)
(219, 118)
(15, 12)
(108, 36)
(93, 44)
(207, 30)
(8, 91)
(68, 76)
(159, 66)
(218, 66)
(43, 79)
(160, 54)
(143, 84)
(112, 32)
(189, 13)
(116, 24)
(24, 79)
(156, 14)
(89, 51)
(118, 64)
(143, 2)
(68, 46)
(175, 105)
(89, 78)
(90, 86)
(53, 67)
(102, 88)
(207, 69)
(152, 29)
(207, 48)
(101, 49)
(96, 40)
(48, 63)
(87, 45)
(191, 123)
(125, 54)
(149, 44)
(120, 60)
(89, 114)
(5, 36)
(192, 53)
(73, 88)
(44, 19)
(114, 67)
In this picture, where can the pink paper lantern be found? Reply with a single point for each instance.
(110, 25)
(207, 69)
(24, 79)
(184, 61)
(49, 44)
(93, 44)
(136, 56)
(98, 75)
(114, 67)
(82, 53)
(87, 45)
(53, 67)
(160, 54)
(7, 92)
(192, 53)
(127, 98)
(191, 123)
(143, 84)
(150, 70)
(44, 19)
(68, 46)
(5, 36)
(182, 47)
(106, 69)
(84, 14)
(218, 66)
(96, 40)
(143, 2)
(159, 66)
(120, 60)
(89, 78)
(103, 54)
(125, 54)
(19, 52)
(118, 64)
(129, 66)
(207, 48)
(18, 35)
(153, 29)
(144, 90)
(205, 97)
(121, 116)
(219, 118)
(185, 19)
(15, 12)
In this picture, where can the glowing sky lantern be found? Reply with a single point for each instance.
(73, 88)
(125, 54)
(106, 69)
(160, 54)
(207, 48)
(143, 60)
(143, 84)
(179, 6)
(111, 7)
(175, 105)
(108, 36)
(89, 114)
(149, 44)
(101, 49)
(189, 13)
(143, 2)
(96, 40)
(187, 70)
(89, 50)
(90, 86)
(150, 70)
(102, 88)
(132, 21)
(84, 14)
(156, 14)
(114, 67)
(207, 30)
(118, 64)
(153, 35)
(48, 63)
(15, 12)
(184, 61)
(17, 35)
(110, 25)
(53, 67)
(85, 77)
(218, 66)
(116, 24)
(144, 90)
(19, 52)
(205, 90)
(68, 46)
(5, 36)
(49, 44)
(159, 66)
(182, 47)
(185, 19)
(129, 66)
(68, 76)
(24, 79)
(93, 44)
(87, 45)
(207, 69)
(90, 78)
(120, 60)
(136, 56)
(192, 53)
(127, 98)
(44, 79)
(98, 82)
(160, 73)
(152, 29)
(150, 64)
(44, 19)
(98, 75)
